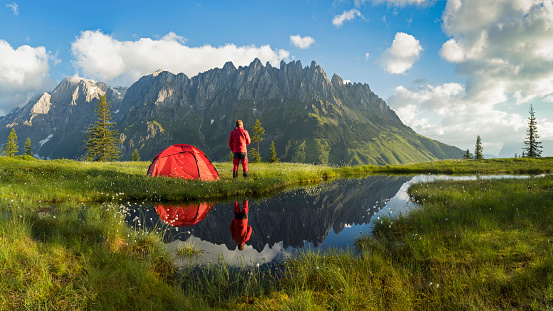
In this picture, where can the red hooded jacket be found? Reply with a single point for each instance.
(239, 228)
(239, 139)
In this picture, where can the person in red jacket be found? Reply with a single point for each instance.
(239, 228)
(239, 139)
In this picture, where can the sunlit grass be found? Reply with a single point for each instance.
(77, 258)
(187, 249)
(24, 179)
(473, 245)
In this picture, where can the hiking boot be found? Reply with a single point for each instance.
(245, 174)
(234, 174)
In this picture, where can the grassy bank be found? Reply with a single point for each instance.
(77, 258)
(473, 245)
(30, 180)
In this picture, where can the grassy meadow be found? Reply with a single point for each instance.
(472, 245)
(26, 179)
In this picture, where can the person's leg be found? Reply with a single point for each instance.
(235, 162)
(245, 167)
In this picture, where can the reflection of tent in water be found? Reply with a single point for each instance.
(183, 161)
(184, 215)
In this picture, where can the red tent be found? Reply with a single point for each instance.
(183, 161)
(184, 215)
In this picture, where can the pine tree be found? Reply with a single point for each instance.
(102, 144)
(273, 158)
(11, 145)
(28, 149)
(533, 146)
(135, 157)
(467, 155)
(258, 133)
(478, 149)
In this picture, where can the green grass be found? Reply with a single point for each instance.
(76, 258)
(473, 245)
(187, 250)
(30, 180)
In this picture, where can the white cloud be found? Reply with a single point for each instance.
(503, 47)
(302, 43)
(14, 8)
(367, 55)
(100, 56)
(403, 53)
(23, 73)
(346, 16)
(444, 112)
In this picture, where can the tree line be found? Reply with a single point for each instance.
(532, 149)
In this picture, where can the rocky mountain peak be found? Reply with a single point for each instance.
(310, 118)
(157, 72)
(337, 80)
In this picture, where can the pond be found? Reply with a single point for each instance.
(326, 215)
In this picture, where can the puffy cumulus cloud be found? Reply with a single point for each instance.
(100, 56)
(403, 53)
(503, 47)
(338, 20)
(302, 43)
(445, 112)
(23, 73)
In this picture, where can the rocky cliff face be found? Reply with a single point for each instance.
(57, 122)
(309, 117)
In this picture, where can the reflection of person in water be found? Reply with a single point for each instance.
(239, 228)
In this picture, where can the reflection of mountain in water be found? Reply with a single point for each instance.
(297, 216)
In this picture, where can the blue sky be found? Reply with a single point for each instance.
(451, 69)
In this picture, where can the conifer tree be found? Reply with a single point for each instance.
(467, 155)
(102, 144)
(273, 157)
(533, 146)
(28, 149)
(135, 157)
(258, 133)
(11, 145)
(478, 149)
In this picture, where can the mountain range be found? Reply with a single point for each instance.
(310, 118)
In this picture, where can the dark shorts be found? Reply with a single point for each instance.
(240, 155)
(240, 216)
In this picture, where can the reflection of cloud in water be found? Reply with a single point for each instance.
(213, 253)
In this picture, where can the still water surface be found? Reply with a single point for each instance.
(327, 215)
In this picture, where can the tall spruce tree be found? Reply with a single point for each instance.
(258, 133)
(135, 157)
(273, 157)
(28, 148)
(533, 146)
(478, 149)
(102, 143)
(11, 146)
